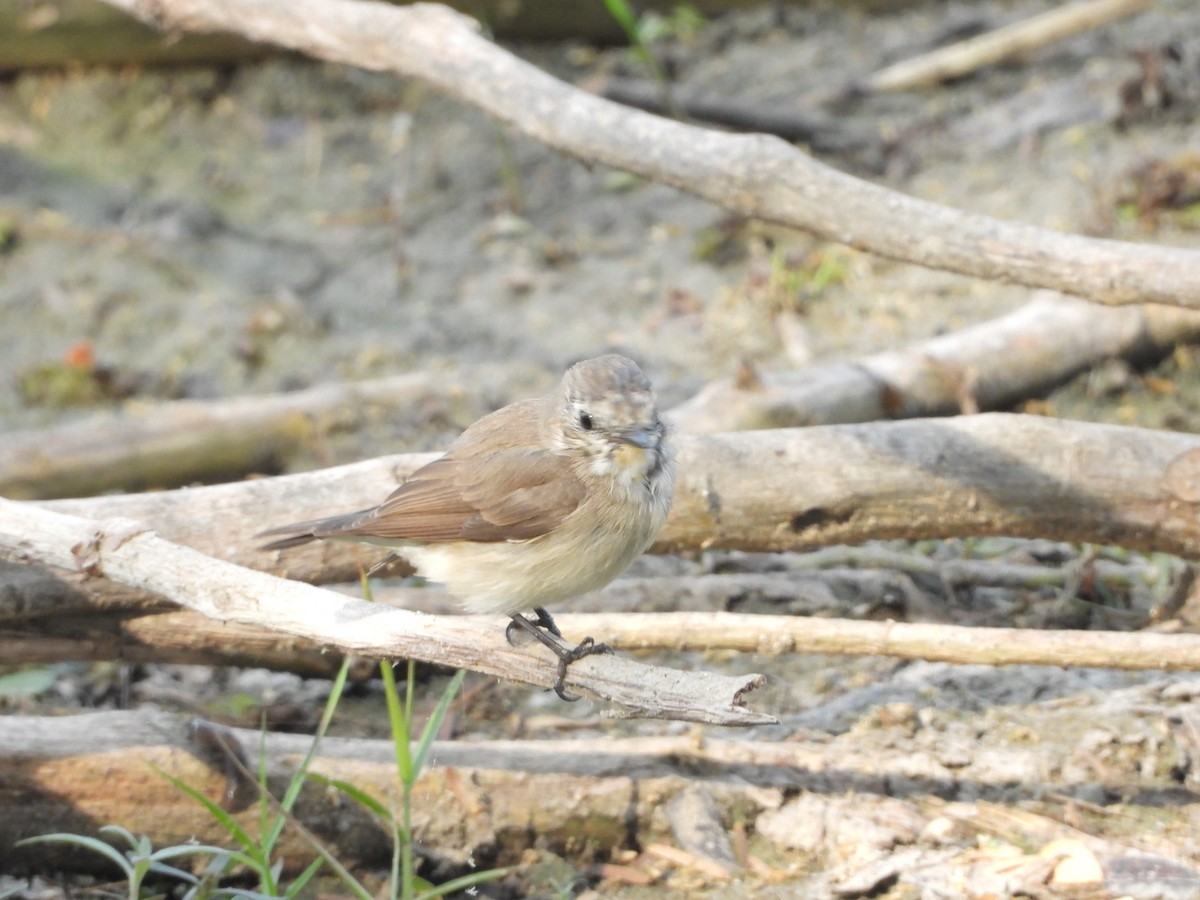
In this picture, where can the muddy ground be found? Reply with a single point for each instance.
(211, 233)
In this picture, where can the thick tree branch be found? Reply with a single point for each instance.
(755, 175)
(985, 366)
(124, 551)
(787, 489)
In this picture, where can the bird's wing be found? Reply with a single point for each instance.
(509, 495)
(496, 482)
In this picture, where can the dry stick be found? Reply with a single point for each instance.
(189, 638)
(754, 175)
(774, 635)
(995, 46)
(168, 444)
(124, 551)
(986, 366)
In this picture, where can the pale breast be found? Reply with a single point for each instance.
(591, 548)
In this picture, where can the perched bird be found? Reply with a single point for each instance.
(539, 501)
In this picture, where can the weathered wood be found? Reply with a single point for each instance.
(754, 175)
(788, 489)
(487, 796)
(1000, 44)
(986, 366)
(124, 551)
(167, 444)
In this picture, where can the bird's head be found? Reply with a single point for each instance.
(607, 414)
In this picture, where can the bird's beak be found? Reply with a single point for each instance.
(646, 438)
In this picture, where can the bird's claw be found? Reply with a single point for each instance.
(542, 628)
(586, 647)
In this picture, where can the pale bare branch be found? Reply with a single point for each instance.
(985, 366)
(995, 46)
(755, 175)
(787, 489)
(124, 551)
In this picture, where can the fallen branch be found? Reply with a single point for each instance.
(986, 366)
(788, 489)
(775, 635)
(755, 175)
(996, 46)
(189, 638)
(488, 795)
(124, 551)
(168, 444)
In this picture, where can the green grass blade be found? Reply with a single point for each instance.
(466, 881)
(623, 13)
(128, 836)
(400, 725)
(358, 795)
(335, 694)
(188, 850)
(90, 843)
(304, 878)
(162, 869)
(224, 819)
(270, 822)
(436, 719)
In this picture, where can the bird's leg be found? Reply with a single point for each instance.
(565, 655)
(545, 620)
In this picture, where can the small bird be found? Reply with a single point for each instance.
(542, 500)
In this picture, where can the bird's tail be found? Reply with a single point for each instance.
(298, 533)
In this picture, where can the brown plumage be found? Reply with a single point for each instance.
(536, 502)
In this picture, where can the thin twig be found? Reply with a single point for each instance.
(996, 46)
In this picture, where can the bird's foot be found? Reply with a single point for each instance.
(586, 647)
(543, 620)
(566, 655)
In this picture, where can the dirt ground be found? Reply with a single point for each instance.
(213, 233)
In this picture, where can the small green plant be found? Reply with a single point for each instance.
(795, 280)
(141, 859)
(256, 854)
(410, 760)
(684, 21)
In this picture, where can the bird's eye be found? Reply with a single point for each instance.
(585, 421)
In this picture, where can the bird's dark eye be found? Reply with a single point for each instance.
(585, 421)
